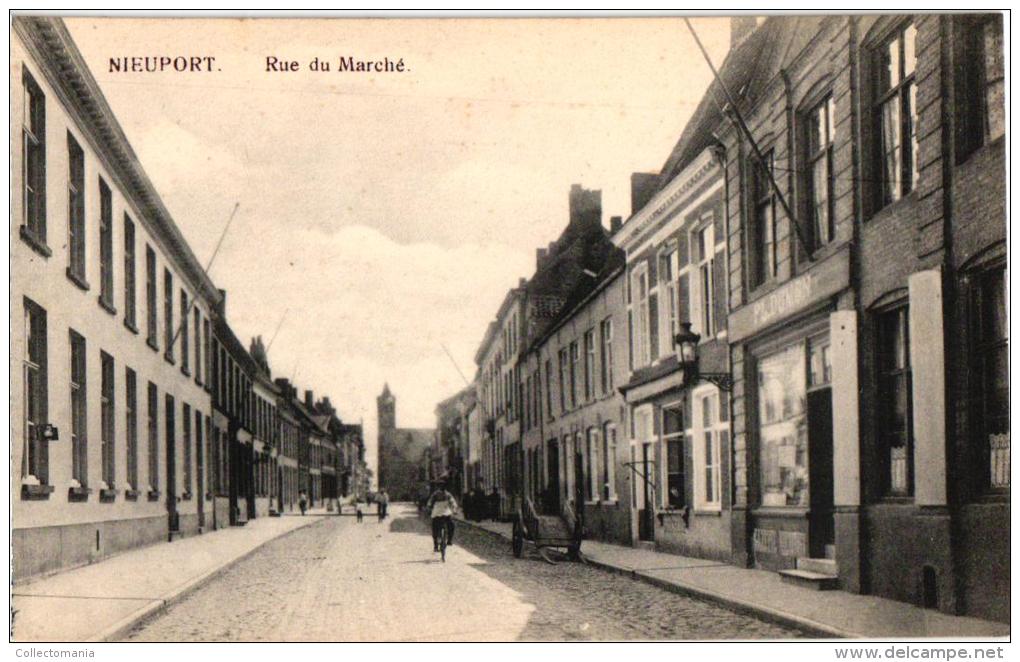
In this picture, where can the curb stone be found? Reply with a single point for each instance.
(813, 628)
(126, 624)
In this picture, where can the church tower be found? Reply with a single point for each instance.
(387, 409)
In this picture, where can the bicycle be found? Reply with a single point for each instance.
(443, 533)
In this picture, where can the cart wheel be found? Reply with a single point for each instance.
(518, 540)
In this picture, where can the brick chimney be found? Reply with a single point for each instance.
(221, 307)
(309, 399)
(642, 188)
(615, 223)
(585, 206)
(540, 255)
(740, 28)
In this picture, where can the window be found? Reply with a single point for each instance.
(591, 488)
(669, 324)
(186, 443)
(198, 346)
(763, 257)
(564, 361)
(79, 422)
(150, 297)
(894, 398)
(34, 160)
(980, 81)
(641, 342)
(76, 209)
(548, 389)
(990, 354)
(896, 115)
(183, 333)
(209, 459)
(606, 333)
(131, 426)
(609, 462)
(35, 453)
(171, 443)
(168, 314)
(821, 185)
(129, 273)
(207, 342)
(673, 438)
(589, 365)
(106, 411)
(782, 432)
(575, 361)
(703, 257)
(710, 432)
(105, 246)
(153, 450)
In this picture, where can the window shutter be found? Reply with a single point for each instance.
(719, 291)
(653, 326)
(684, 294)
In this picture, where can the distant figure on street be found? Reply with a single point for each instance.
(302, 501)
(361, 515)
(384, 503)
(441, 506)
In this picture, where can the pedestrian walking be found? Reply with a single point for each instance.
(361, 515)
(384, 503)
(302, 501)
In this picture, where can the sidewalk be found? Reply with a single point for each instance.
(103, 600)
(826, 614)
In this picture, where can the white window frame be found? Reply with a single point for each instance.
(702, 285)
(664, 443)
(639, 308)
(698, 432)
(606, 338)
(592, 441)
(638, 440)
(609, 457)
(669, 308)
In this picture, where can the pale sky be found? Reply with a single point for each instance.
(388, 213)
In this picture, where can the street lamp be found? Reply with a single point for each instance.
(685, 344)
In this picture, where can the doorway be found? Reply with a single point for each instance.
(822, 530)
(646, 501)
(551, 502)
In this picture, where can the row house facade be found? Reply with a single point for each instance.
(109, 395)
(868, 313)
(679, 431)
(137, 415)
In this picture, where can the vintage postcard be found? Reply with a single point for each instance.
(499, 329)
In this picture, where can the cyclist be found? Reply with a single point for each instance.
(441, 506)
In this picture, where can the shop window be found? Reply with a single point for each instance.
(819, 138)
(35, 453)
(783, 440)
(673, 438)
(763, 256)
(895, 401)
(895, 111)
(980, 83)
(990, 355)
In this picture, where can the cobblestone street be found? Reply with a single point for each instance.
(338, 580)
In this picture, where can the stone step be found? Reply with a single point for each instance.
(821, 566)
(645, 544)
(807, 579)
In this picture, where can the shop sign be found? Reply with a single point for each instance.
(823, 280)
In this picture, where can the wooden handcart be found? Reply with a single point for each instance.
(562, 531)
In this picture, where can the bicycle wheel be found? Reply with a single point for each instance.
(442, 543)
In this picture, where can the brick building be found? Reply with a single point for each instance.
(401, 452)
(870, 404)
